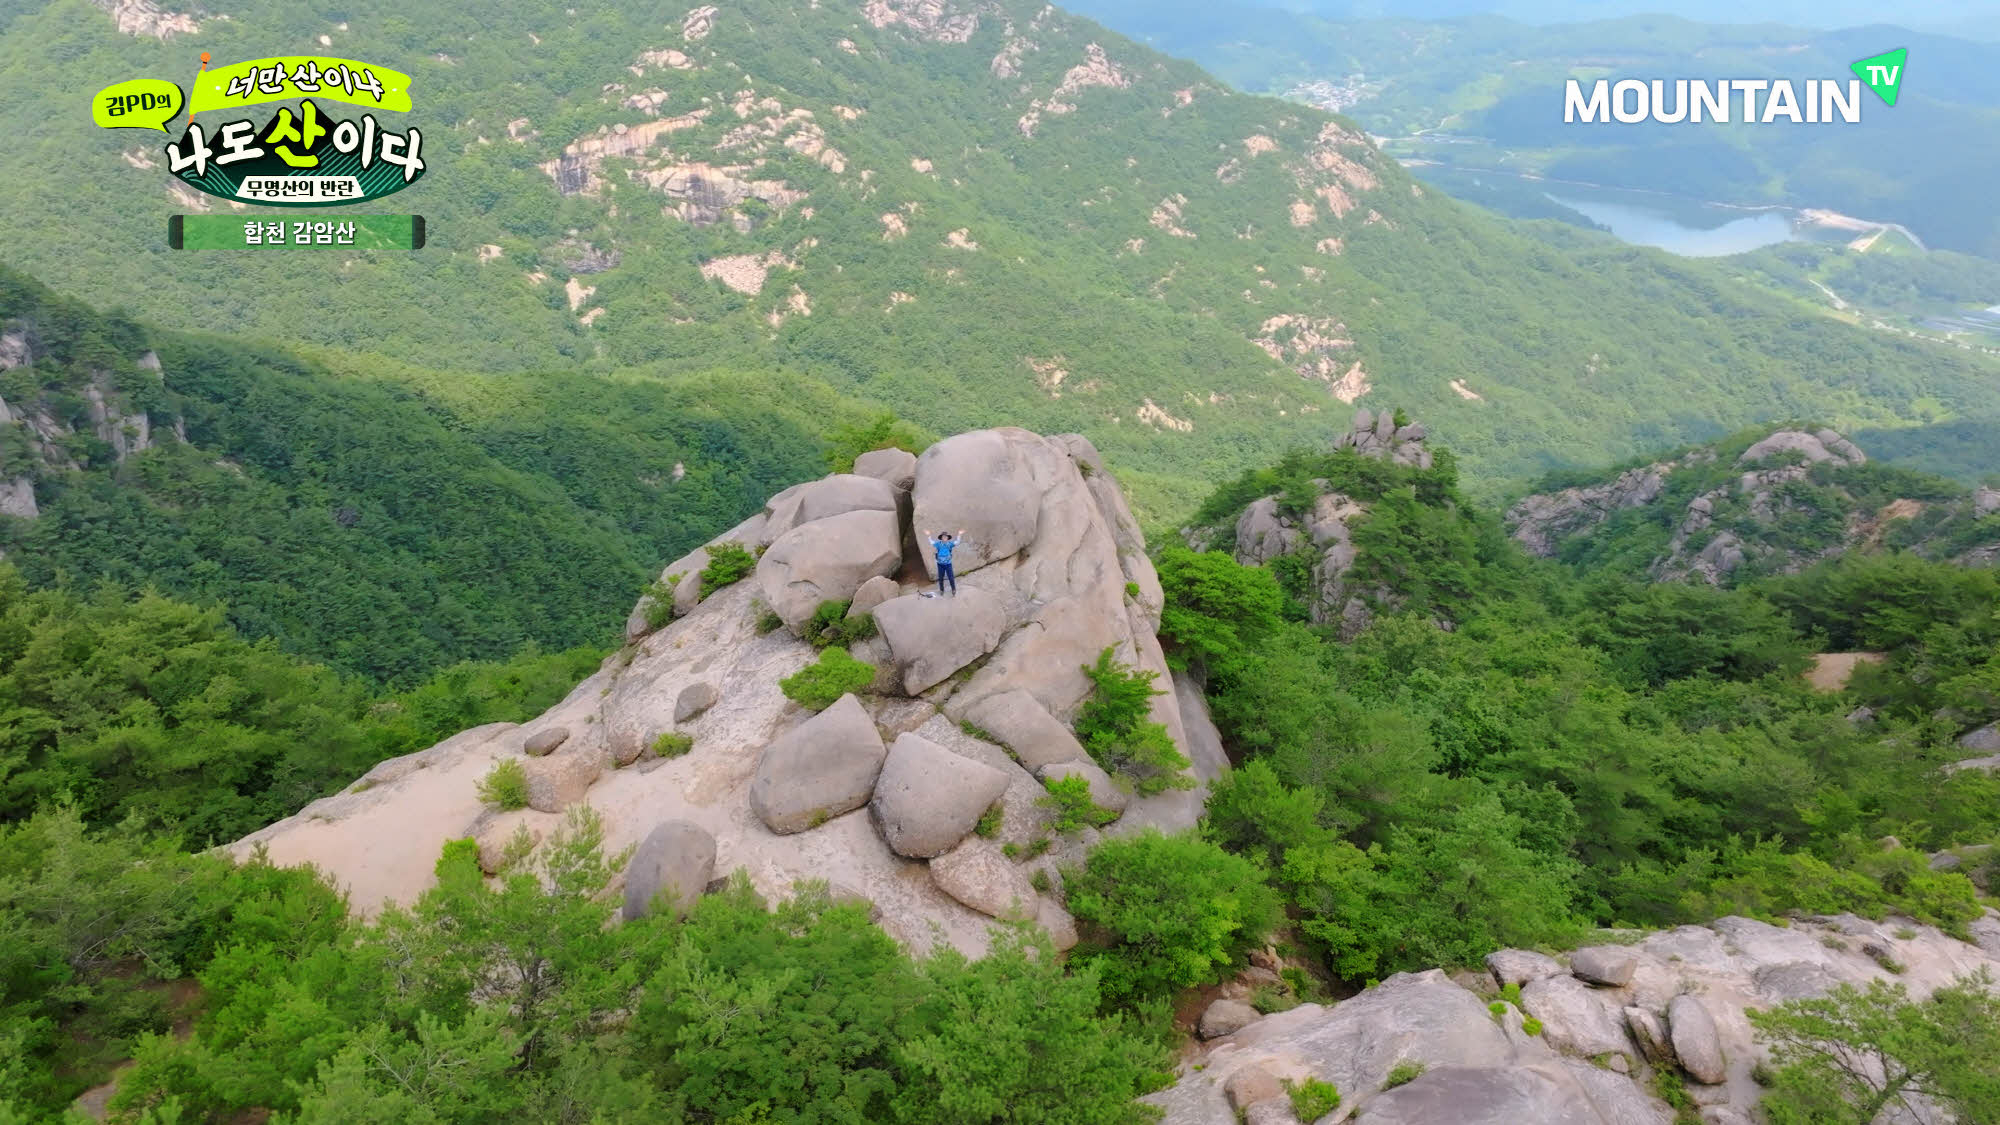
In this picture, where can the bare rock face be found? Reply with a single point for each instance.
(1262, 534)
(1543, 521)
(669, 870)
(1684, 1006)
(17, 498)
(1064, 576)
(828, 560)
(818, 770)
(1026, 728)
(928, 798)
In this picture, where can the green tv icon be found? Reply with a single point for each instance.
(1883, 73)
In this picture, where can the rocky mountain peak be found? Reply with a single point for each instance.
(689, 748)
(1725, 511)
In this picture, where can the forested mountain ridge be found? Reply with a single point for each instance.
(385, 519)
(967, 211)
(1763, 502)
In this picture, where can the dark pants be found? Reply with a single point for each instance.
(945, 575)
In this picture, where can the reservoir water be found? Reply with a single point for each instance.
(1700, 231)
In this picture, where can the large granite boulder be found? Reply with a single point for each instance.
(828, 560)
(931, 638)
(669, 869)
(1561, 1093)
(1696, 1041)
(897, 466)
(983, 484)
(1226, 1017)
(1608, 965)
(846, 492)
(928, 799)
(818, 770)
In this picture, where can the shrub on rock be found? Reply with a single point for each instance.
(818, 686)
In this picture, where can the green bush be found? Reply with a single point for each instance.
(769, 622)
(1268, 998)
(728, 563)
(1116, 726)
(989, 821)
(829, 625)
(1403, 1073)
(672, 744)
(505, 786)
(1169, 912)
(1069, 799)
(819, 686)
(1312, 1098)
(657, 602)
(1531, 1025)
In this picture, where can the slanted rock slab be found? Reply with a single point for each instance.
(977, 874)
(1651, 1035)
(931, 638)
(819, 769)
(669, 870)
(842, 493)
(1025, 727)
(928, 798)
(983, 483)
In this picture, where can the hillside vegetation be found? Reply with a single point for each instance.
(385, 519)
(966, 211)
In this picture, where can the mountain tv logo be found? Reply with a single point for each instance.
(1748, 101)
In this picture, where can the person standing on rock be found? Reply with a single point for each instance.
(944, 545)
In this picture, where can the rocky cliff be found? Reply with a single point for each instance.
(880, 793)
(1611, 1017)
(1777, 504)
(1316, 532)
(57, 419)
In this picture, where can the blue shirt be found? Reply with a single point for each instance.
(944, 549)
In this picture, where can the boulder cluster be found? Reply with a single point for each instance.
(919, 792)
(1377, 435)
(1583, 1043)
(1265, 531)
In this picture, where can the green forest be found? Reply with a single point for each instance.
(1516, 753)
(1580, 353)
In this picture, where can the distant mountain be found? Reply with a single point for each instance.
(971, 211)
(1485, 92)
